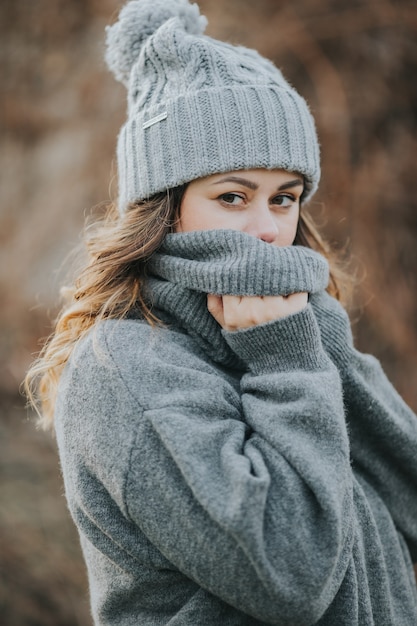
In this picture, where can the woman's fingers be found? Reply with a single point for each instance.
(215, 307)
(234, 312)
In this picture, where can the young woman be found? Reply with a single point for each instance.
(229, 457)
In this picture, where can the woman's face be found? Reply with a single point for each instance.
(260, 202)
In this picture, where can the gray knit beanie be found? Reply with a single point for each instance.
(198, 106)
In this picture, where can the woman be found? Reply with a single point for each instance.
(228, 456)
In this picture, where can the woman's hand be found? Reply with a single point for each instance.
(234, 312)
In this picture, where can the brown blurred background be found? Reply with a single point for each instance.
(355, 62)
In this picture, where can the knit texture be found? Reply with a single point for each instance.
(281, 493)
(370, 395)
(188, 266)
(197, 106)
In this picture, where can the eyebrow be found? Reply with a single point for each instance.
(248, 183)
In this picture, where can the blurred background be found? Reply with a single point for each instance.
(356, 64)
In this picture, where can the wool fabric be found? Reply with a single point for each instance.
(198, 106)
(225, 262)
(281, 490)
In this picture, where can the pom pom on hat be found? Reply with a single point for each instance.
(138, 20)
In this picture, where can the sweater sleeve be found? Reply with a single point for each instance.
(382, 428)
(252, 502)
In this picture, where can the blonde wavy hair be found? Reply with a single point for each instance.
(111, 283)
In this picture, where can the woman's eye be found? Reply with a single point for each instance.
(284, 200)
(231, 198)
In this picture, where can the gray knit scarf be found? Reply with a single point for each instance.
(188, 266)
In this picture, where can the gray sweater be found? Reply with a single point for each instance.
(263, 476)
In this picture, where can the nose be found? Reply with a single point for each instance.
(263, 225)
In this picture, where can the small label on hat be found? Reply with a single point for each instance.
(155, 120)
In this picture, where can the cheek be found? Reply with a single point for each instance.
(294, 224)
(199, 211)
(194, 215)
(288, 229)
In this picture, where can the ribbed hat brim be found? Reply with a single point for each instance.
(216, 130)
